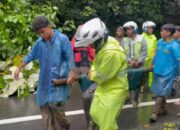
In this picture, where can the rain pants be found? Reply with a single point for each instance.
(151, 46)
(108, 72)
(166, 63)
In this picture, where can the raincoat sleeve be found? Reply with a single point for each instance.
(143, 53)
(68, 52)
(106, 69)
(32, 55)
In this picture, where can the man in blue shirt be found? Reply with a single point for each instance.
(54, 53)
(165, 63)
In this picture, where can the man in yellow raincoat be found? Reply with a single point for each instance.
(148, 28)
(108, 71)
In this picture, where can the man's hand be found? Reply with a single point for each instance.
(131, 63)
(16, 73)
(137, 64)
(18, 70)
(71, 77)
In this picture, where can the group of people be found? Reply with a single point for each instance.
(108, 69)
(162, 56)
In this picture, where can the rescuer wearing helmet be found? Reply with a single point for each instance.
(108, 71)
(148, 28)
(135, 47)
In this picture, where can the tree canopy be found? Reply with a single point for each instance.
(16, 17)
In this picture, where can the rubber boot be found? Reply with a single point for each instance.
(164, 107)
(157, 108)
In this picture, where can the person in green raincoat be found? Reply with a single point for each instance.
(148, 28)
(108, 71)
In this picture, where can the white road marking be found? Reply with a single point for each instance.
(142, 104)
(72, 113)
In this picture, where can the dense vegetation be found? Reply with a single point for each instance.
(16, 17)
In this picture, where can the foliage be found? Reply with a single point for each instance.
(16, 34)
(170, 11)
(26, 83)
(16, 17)
(114, 12)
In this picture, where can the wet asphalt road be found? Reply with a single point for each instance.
(130, 119)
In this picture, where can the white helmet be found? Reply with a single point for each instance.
(131, 24)
(148, 24)
(89, 32)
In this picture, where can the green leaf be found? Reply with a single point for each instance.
(55, 8)
(30, 39)
(22, 93)
(2, 83)
(1, 13)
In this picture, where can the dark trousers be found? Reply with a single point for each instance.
(53, 116)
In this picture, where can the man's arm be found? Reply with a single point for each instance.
(69, 56)
(18, 70)
(32, 55)
(106, 69)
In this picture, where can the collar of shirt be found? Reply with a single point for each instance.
(52, 39)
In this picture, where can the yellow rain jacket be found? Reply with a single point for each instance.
(108, 71)
(151, 45)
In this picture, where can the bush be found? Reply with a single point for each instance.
(16, 17)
